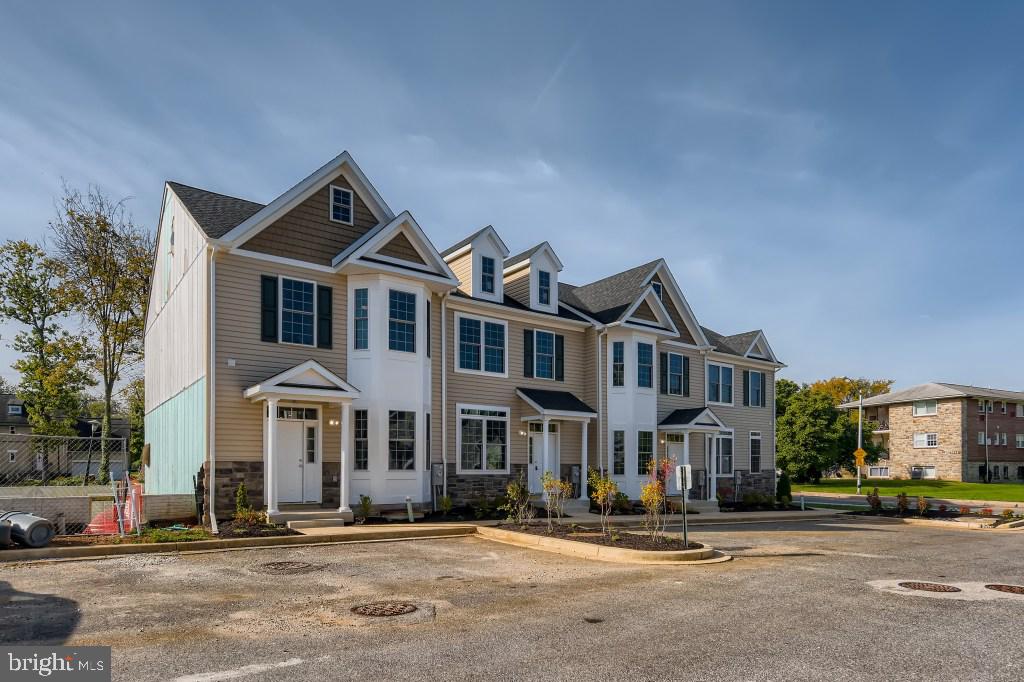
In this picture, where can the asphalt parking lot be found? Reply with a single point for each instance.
(801, 601)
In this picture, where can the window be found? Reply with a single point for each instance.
(310, 444)
(619, 453)
(1020, 441)
(658, 290)
(675, 374)
(926, 440)
(361, 459)
(297, 311)
(925, 408)
(1020, 409)
(361, 319)
(981, 437)
(724, 466)
(618, 363)
(402, 321)
(927, 471)
(483, 439)
(719, 383)
(544, 355)
(14, 409)
(754, 389)
(878, 472)
(989, 405)
(1002, 407)
(481, 345)
(543, 287)
(487, 274)
(755, 452)
(644, 365)
(401, 440)
(981, 406)
(296, 413)
(644, 451)
(13, 431)
(341, 205)
(12, 455)
(1003, 438)
(1006, 472)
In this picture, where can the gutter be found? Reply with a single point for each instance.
(211, 412)
(600, 404)
(444, 392)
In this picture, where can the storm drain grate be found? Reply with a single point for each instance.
(384, 609)
(286, 567)
(1009, 589)
(929, 587)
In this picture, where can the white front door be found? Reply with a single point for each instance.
(299, 467)
(535, 452)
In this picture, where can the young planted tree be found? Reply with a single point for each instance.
(108, 261)
(53, 363)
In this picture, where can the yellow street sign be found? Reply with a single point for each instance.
(859, 455)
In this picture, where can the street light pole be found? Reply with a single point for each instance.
(988, 472)
(860, 436)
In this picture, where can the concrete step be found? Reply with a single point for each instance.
(289, 515)
(703, 506)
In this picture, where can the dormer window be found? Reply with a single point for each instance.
(14, 410)
(341, 205)
(544, 287)
(487, 274)
(657, 290)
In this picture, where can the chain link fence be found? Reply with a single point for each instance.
(63, 479)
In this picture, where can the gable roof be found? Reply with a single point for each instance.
(607, 299)
(509, 302)
(215, 213)
(472, 238)
(737, 344)
(935, 390)
(526, 255)
(562, 402)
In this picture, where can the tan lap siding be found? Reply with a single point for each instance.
(463, 269)
(479, 389)
(747, 419)
(239, 427)
(517, 286)
(401, 247)
(307, 231)
(677, 318)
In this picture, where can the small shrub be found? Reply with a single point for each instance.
(902, 503)
(365, 507)
(517, 502)
(622, 503)
(557, 491)
(249, 517)
(241, 498)
(874, 501)
(943, 509)
(445, 503)
(922, 505)
(652, 496)
(784, 489)
(965, 511)
(603, 491)
(1007, 514)
(483, 507)
(987, 511)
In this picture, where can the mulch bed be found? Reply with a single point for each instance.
(231, 530)
(616, 538)
(757, 508)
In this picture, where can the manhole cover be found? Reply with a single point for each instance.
(382, 609)
(1011, 589)
(286, 567)
(929, 587)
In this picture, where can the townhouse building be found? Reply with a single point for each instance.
(948, 431)
(320, 347)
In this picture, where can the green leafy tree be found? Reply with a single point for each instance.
(845, 390)
(108, 261)
(135, 396)
(809, 435)
(6, 386)
(784, 390)
(53, 363)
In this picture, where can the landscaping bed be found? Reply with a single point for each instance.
(620, 539)
(165, 535)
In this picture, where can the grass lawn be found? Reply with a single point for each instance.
(996, 492)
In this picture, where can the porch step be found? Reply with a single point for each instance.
(703, 506)
(317, 514)
(318, 523)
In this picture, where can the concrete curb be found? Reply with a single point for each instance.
(584, 550)
(104, 551)
(949, 502)
(948, 525)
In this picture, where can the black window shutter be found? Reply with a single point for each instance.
(528, 353)
(663, 372)
(559, 357)
(268, 308)
(746, 387)
(764, 387)
(324, 315)
(686, 375)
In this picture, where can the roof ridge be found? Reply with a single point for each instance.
(621, 272)
(210, 191)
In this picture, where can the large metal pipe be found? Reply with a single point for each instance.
(28, 529)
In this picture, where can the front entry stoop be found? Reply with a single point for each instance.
(310, 516)
(703, 506)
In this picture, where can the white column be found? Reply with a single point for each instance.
(713, 468)
(343, 464)
(583, 462)
(270, 466)
(686, 447)
(544, 456)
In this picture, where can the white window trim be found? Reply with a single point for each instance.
(12, 456)
(409, 356)
(494, 275)
(625, 450)
(280, 310)
(459, 407)
(330, 205)
(611, 367)
(732, 388)
(922, 467)
(369, 430)
(887, 474)
(654, 365)
(754, 435)
(1020, 409)
(718, 456)
(682, 373)
(455, 350)
(1020, 441)
(981, 438)
(915, 412)
(541, 303)
(659, 290)
(1002, 407)
(15, 410)
(416, 437)
(1003, 438)
(554, 355)
(926, 434)
(352, 318)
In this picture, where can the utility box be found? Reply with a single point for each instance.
(574, 478)
(437, 473)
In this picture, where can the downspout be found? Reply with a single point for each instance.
(444, 394)
(211, 411)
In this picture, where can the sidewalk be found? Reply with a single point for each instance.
(861, 501)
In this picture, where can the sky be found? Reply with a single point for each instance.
(847, 177)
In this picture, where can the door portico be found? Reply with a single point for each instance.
(678, 431)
